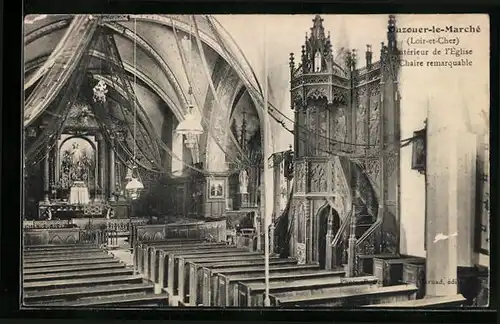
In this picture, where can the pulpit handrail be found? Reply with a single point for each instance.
(342, 228)
(370, 230)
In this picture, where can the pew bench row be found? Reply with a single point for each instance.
(82, 276)
(208, 274)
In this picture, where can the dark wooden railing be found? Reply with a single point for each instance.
(49, 236)
(209, 230)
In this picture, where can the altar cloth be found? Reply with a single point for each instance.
(79, 194)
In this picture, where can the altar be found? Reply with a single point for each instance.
(63, 210)
(79, 193)
(80, 175)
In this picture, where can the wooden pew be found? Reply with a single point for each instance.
(77, 274)
(58, 247)
(238, 265)
(278, 266)
(128, 300)
(173, 240)
(164, 263)
(365, 262)
(428, 302)
(62, 258)
(151, 269)
(27, 254)
(153, 272)
(181, 271)
(72, 283)
(414, 273)
(389, 272)
(348, 298)
(228, 285)
(138, 247)
(150, 254)
(141, 255)
(200, 283)
(89, 262)
(73, 293)
(73, 268)
(251, 294)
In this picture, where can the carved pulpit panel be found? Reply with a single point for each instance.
(323, 132)
(300, 177)
(312, 130)
(301, 224)
(318, 177)
(301, 253)
(374, 120)
(338, 128)
(361, 116)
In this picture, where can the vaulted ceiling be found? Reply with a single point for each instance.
(159, 65)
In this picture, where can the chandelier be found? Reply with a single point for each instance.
(134, 186)
(191, 126)
(100, 91)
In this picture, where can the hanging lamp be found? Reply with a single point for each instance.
(134, 186)
(191, 126)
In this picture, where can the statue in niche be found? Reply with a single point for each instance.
(243, 181)
(340, 125)
(360, 129)
(374, 123)
(317, 62)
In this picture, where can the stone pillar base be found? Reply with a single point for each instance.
(351, 257)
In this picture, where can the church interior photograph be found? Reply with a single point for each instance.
(183, 161)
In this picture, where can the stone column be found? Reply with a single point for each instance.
(328, 246)
(258, 232)
(351, 254)
(466, 191)
(54, 166)
(112, 167)
(101, 162)
(46, 178)
(271, 238)
(450, 206)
